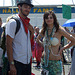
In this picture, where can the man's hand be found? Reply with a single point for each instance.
(12, 70)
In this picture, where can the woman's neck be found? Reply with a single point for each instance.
(50, 27)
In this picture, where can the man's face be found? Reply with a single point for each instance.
(25, 9)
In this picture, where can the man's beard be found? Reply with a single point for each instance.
(23, 13)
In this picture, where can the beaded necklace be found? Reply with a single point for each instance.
(47, 44)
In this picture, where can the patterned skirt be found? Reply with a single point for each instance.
(54, 67)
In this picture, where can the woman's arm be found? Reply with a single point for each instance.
(72, 33)
(38, 39)
(69, 37)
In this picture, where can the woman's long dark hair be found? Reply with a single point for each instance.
(44, 26)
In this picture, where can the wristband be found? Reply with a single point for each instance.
(12, 62)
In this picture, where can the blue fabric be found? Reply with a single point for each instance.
(69, 24)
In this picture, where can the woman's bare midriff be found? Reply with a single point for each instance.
(52, 57)
(56, 56)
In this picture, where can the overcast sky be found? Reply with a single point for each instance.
(40, 2)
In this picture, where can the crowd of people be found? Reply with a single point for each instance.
(23, 42)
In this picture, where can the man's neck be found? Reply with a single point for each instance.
(22, 16)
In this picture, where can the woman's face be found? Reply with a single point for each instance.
(49, 20)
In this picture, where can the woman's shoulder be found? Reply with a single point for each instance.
(61, 29)
(63, 32)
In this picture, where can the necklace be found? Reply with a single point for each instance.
(47, 46)
(52, 32)
(46, 42)
(53, 53)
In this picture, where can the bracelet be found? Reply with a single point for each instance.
(71, 36)
(12, 62)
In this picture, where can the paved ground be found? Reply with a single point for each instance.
(38, 71)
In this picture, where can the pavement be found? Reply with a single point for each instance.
(37, 71)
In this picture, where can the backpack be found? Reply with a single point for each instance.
(3, 39)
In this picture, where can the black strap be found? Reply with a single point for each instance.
(18, 25)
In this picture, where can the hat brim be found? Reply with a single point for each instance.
(25, 3)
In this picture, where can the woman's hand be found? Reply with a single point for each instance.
(39, 42)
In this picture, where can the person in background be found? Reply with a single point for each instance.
(18, 47)
(1, 30)
(72, 30)
(34, 28)
(52, 32)
(36, 33)
(3, 46)
(37, 52)
(72, 70)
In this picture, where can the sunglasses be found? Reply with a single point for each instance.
(49, 18)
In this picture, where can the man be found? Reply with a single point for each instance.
(19, 45)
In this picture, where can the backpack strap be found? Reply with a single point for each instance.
(18, 25)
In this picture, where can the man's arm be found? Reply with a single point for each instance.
(9, 41)
(9, 48)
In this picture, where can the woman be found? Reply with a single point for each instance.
(52, 32)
